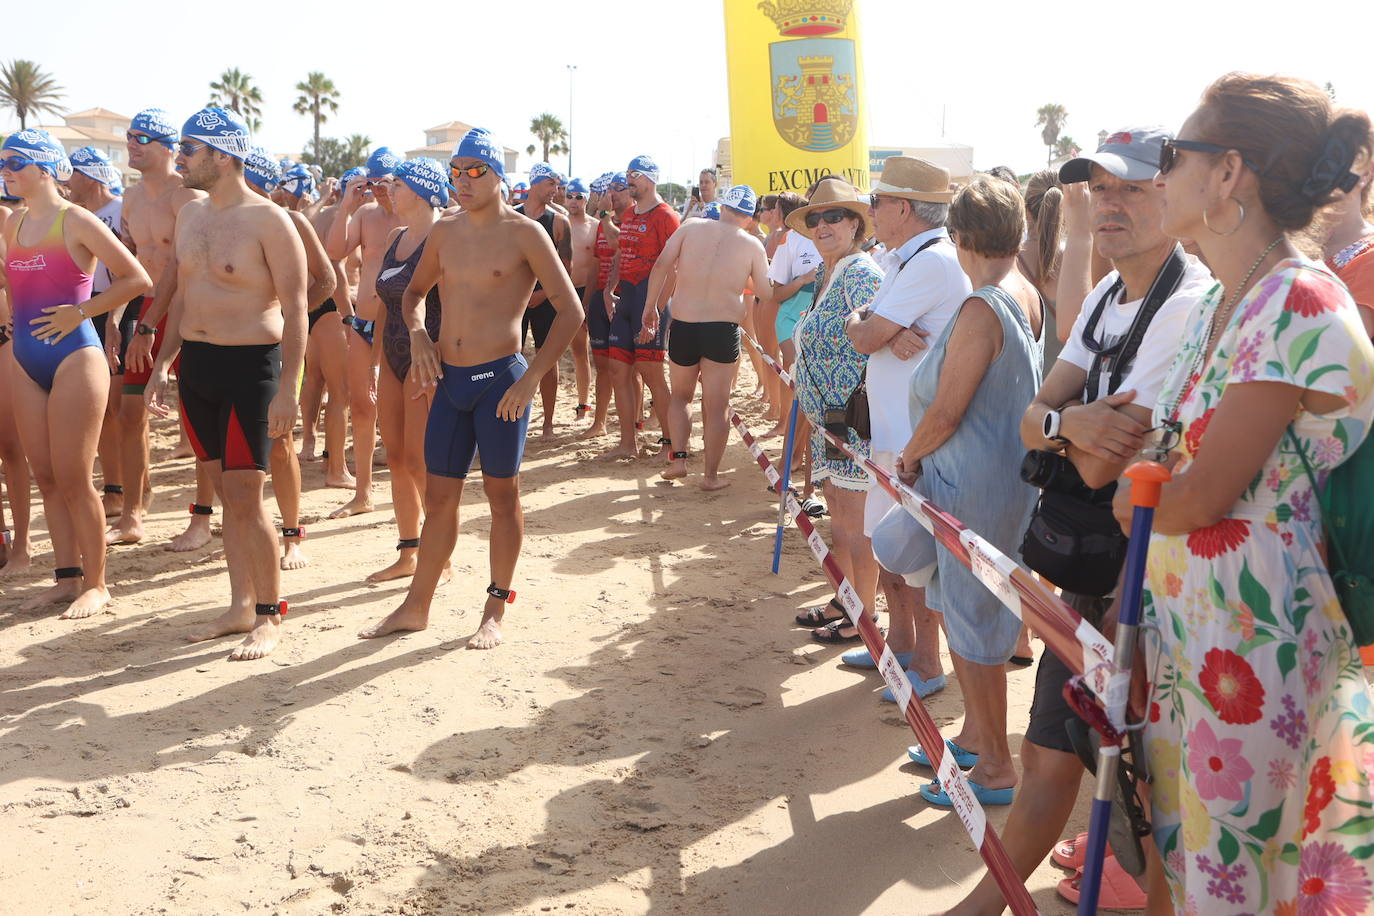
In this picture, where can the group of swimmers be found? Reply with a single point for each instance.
(397, 296)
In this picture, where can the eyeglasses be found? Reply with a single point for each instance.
(577, 197)
(15, 163)
(190, 147)
(145, 139)
(815, 217)
(1162, 439)
(619, 187)
(632, 175)
(472, 171)
(1168, 153)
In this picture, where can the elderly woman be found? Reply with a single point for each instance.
(828, 370)
(1261, 737)
(966, 401)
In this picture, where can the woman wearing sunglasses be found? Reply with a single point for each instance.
(59, 379)
(828, 370)
(1261, 738)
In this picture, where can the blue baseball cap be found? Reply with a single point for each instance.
(426, 178)
(156, 123)
(741, 197)
(96, 166)
(646, 166)
(383, 162)
(261, 170)
(39, 147)
(479, 144)
(221, 129)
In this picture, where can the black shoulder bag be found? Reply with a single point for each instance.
(1073, 539)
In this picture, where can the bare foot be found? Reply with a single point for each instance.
(621, 451)
(344, 481)
(405, 619)
(774, 432)
(183, 450)
(676, 470)
(196, 535)
(547, 431)
(88, 603)
(230, 622)
(308, 452)
(260, 641)
(355, 506)
(292, 556)
(125, 531)
(488, 635)
(62, 592)
(113, 504)
(710, 484)
(774, 415)
(16, 564)
(147, 494)
(593, 431)
(404, 566)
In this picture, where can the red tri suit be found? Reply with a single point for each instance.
(642, 238)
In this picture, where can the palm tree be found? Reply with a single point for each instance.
(1066, 148)
(316, 94)
(235, 90)
(1050, 119)
(551, 134)
(356, 148)
(28, 90)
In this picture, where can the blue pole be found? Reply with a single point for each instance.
(782, 492)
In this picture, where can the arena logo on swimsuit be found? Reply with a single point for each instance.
(481, 375)
(36, 262)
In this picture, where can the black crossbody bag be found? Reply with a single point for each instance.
(1073, 538)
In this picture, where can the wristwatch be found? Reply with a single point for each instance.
(1053, 420)
(144, 329)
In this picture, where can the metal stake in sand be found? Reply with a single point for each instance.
(1147, 477)
(782, 490)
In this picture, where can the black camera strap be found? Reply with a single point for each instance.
(1121, 356)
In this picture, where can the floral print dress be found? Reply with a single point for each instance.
(1261, 735)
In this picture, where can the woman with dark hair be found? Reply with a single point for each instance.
(1261, 736)
(1347, 241)
(792, 272)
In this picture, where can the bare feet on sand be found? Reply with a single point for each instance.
(488, 635)
(58, 593)
(125, 531)
(710, 484)
(355, 506)
(547, 431)
(183, 450)
(593, 431)
(264, 632)
(407, 618)
(344, 481)
(292, 556)
(196, 535)
(113, 503)
(676, 469)
(620, 451)
(403, 567)
(308, 452)
(87, 604)
(778, 430)
(15, 563)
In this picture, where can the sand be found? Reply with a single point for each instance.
(655, 736)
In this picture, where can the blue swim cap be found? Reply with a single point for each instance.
(645, 164)
(542, 171)
(426, 178)
(156, 123)
(478, 144)
(520, 190)
(383, 162)
(262, 170)
(741, 197)
(220, 129)
(712, 211)
(297, 181)
(39, 146)
(619, 181)
(356, 172)
(601, 183)
(576, 186)
(96, 166)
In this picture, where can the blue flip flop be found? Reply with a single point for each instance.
(935, 794)
(965, 759)
(922, 688)
(861, 658)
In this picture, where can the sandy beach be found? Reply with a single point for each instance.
(655, 737)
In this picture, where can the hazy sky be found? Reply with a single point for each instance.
(651, 76)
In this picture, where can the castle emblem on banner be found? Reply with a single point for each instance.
(815, 96)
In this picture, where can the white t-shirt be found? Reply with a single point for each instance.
(1160, 343)
(110, 215)
(927, 293)
(796, 255)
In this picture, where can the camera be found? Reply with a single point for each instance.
(1052, 472)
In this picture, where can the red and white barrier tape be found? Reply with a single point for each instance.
(952, 779)
(1076, 641)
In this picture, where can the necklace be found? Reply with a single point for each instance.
(1220, 318)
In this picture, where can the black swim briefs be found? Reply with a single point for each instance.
(689, 342)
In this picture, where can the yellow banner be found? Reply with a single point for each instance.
(796, 99)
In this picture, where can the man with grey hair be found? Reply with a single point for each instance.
(921, 293)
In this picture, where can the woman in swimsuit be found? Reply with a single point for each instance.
(58, 378)
(419, 193)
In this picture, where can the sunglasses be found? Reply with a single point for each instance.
(815, 218)
(1168, 153)
(634, 174)
(619, 187)
(190, 147)
(472, 171)
(15, 163)
(577, 197)
(145, 139)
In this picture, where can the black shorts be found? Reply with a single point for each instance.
(225, 396)
(128, 326)
(1049, 710)
(538, 320)
(625, 345)
(689, 342)
(598, 323)
(325, 308)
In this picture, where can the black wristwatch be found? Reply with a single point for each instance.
(145, 330)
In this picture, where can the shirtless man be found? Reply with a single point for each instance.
(715, 261)
(583, 272)
(264, 178)
(485, 260)
(362, 223)
(539, 317)
(240, 310)
(150, 212)
(326, 355)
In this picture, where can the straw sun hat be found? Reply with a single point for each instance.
(832, 194)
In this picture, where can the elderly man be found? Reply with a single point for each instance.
(921, 293)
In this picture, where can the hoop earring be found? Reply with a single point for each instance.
(1240, 222)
